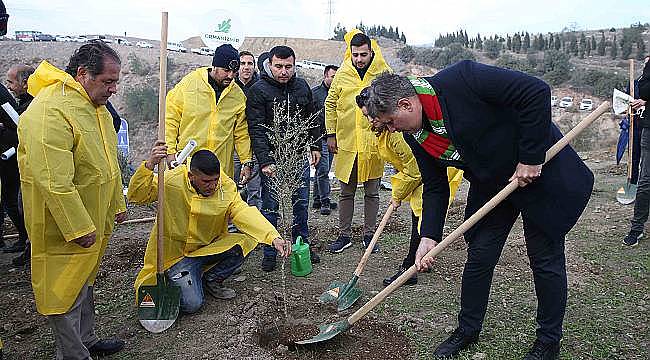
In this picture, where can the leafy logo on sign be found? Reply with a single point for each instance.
(224, 27)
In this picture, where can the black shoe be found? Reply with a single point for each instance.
(316, 205)
(333, 205)
(632, 239)
(106, 347)
(16, 247)
(22, 259)
(455, 343)
(2, 242)
(268, 263)
(544, 351)
(366, 241)
(341, 243)
(411, 281)
(315, 259)
(325, 207)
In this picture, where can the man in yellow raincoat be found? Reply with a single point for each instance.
(199, 251)
(349, 136)
(72, 191)
(406, 183)
(209, 107)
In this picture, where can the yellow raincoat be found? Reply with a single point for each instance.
(196, 225)
(192, 112)
(71, 185)
(407, 182)
(344, 118)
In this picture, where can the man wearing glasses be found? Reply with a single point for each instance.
(208, 107)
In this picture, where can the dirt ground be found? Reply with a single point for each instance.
(607, 313)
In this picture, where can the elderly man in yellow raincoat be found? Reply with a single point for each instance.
(209, 107)
(349, 136)
(199, 251)
(406, 184)
(72, 191)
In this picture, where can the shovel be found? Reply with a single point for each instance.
(627, 193)
(347, 293)
(329, 331)
(158, 304)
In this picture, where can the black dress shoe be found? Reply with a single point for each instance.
(106, 347)
(544, 351)
(315, 259)
(457, 342)
(411, 281)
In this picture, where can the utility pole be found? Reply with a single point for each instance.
(330, 13)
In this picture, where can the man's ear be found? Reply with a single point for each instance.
(405, 104)
(81, 71)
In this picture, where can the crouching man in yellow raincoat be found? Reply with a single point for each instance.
(199, 251)
(72, 191)
(406, 183)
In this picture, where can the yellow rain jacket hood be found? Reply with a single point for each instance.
(344, 118)
(196, 225)
(71, 185)
(407, 182)
(192, 112)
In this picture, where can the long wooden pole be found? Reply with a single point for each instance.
(162, 91)
(630, 114)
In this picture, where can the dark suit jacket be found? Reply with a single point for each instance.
(497, 118)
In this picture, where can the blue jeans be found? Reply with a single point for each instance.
(300, 200)
(322, 181)
(188, 272)
(253, 187)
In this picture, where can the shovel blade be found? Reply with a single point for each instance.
(327, 332)
(331, 295)
(626, 194)
(348, 299)
(158, 305)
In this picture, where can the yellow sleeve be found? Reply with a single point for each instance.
(49, 153)
(407, 180)
(331, 102)
(242, 139)
(251, 222)
(119, 204)
(173, 115)
(143, 187)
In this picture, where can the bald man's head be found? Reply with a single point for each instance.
(17, 76)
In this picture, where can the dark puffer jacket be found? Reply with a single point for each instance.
(259, 112)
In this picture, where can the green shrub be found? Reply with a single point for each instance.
(492, 48)
(599, 83)
(510, 62)
(406, 54)
(556, 67)
(141, 104)
(138, 66)
(441, 58)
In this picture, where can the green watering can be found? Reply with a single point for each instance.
(300, 258)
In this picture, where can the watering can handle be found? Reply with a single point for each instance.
(467, 224)
(375, 238)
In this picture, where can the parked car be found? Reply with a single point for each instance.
(123, 41)
(204, 50)
(144, 44)
(586, 104)
(173, 46)
(553, 100)
(80, 38)
(44, 37)
(64, 38)
(566, 101)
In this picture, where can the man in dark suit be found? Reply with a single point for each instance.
(495, 124)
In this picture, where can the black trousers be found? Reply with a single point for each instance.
(546, 255)
(409, 260)
(10, 184)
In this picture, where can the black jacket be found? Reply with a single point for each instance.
(23, 102)
(259, 112)
(246, 87)
(644, 83)
(319, 94)
(497, 118)
(8, 133)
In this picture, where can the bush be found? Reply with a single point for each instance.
(492, 48)
(125, 168)
(510, 62)
(556, 67)
(599, 83)
(406, 54)
(441, 58)
(141, 104)
(138, 66)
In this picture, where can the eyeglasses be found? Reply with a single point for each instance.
(362, 98)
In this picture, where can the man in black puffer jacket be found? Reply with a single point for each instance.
(280, 86)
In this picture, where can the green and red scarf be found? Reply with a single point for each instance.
(436, 143)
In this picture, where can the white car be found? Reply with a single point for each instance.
(144, 44)
(586, 104)
(65, 38)
(172, 46)
(553, 100)
(123, 41)
(566, 101)
(204, 50)
(80, 38)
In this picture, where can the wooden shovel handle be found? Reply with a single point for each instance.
(162, 91)
(375, 237)
(630, 115)
(478, 215)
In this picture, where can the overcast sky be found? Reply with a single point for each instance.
(420, 20)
